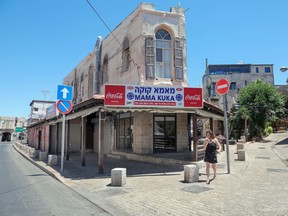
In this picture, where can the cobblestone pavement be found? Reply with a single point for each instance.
(256, 186)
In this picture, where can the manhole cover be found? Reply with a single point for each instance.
(277, 170)
(110, 192)
(266, 158)
(196, 189)
(262, 148)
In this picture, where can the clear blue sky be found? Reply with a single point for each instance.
(41, 41)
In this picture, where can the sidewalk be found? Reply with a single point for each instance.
(257, 186)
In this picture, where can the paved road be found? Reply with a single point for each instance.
(27, 190)
(257, 186)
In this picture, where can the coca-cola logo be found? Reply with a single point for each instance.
(193, 97)
(114, 96)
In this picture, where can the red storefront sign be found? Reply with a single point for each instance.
(153, 96)
(193, 97)
(114, 95)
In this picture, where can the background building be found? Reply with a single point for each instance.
(8, 127)
(238, 75)
(38, 110)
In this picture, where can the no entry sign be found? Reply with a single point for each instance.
(222, 86)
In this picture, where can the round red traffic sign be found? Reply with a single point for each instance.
(222, 86)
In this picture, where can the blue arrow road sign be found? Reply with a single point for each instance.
(64, 106)
(64, 92)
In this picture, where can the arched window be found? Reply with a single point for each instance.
(104, 71)
(125, 55)
(163, 54)
(90, 81)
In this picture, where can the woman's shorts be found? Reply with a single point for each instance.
(211, 158)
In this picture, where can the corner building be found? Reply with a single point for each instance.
(147, 48)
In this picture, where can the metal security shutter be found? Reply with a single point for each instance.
(178, 60)
(150, 57)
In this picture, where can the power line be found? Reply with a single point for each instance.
(137, 67)
(103, 21)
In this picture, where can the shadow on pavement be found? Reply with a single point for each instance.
(283, 142)
(74, 170)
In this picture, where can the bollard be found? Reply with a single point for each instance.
(52, 160)
(241, 155)
(191, 173)
(118, 176)
(43, 156)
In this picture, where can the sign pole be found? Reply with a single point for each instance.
(62, 143)
(226, 131)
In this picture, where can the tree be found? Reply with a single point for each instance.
(260, 105)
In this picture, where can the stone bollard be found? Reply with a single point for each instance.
(241, 141)
(31, 152)
(240, 146)
(241, 155)
(191, 173)
(52, 160)
(36, 153)
(118, 176)
(43, 156)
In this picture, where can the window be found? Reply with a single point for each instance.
(125, 55)
(213, 89)
(267, 70)
(36, 109)
(246, 82)
(257, 70)
(90, 81)
(163, 54)
(103, 74)
(233, 86)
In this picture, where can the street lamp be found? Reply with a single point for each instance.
(283, 69)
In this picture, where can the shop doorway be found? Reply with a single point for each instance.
(124, 131)
(164, 139)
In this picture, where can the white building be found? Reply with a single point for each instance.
(38, 110)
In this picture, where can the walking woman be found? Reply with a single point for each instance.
(211, 147)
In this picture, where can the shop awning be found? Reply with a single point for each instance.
(82, 113)
(199, 112)
(207, 114)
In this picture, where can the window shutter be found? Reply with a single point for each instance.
(150, 57)
(178, 60)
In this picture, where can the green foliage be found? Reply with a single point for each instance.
(260, 104)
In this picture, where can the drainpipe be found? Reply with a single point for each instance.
(97, 50)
